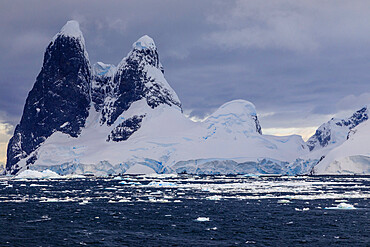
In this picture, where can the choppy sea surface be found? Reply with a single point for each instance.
(186, 211)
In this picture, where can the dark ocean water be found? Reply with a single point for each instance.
(242, 211)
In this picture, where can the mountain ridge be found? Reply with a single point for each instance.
(106, 119)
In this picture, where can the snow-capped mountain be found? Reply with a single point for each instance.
(335, 131)
(126, 118)
(334, 135)
(352, 157)
(138, 76)
(59, 100)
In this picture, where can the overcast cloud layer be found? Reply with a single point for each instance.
(299, 62)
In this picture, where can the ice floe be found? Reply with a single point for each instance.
(284, 201)
(162, 184)
(343, 205)
(202, 219)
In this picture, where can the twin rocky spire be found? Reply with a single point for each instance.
(66, 89)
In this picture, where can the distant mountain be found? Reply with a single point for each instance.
(335, 131)
(108, 119)
(352, 157)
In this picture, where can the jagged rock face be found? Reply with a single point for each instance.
(125, 129)
(137, 78)
(357, 118)
(58, 101)
(336, 130)
(258, 126)
(101, 76)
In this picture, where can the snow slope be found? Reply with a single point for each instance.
(335, 131)
(352, 157)
(165, 138)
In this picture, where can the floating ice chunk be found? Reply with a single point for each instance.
(250, 175)
(53, 200)
(130, 183)
(43, 218)
(284, 201)
(134, 183)
(213, 229)
(124, 200)
(202, 219)
(250, 242)
(163, 200)
(162, 184)
(84, 202)
(38, 185)
(158, 200)
(111, 188)
(303, 209)
(345, 206)
(213, 198)
(31, 174)
(117, 178)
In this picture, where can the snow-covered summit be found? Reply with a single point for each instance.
(145, 42)
(237, 115)
(239, 107)
(71, 29)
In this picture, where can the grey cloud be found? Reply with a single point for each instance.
(301, 60)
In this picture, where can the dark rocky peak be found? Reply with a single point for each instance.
(145, 52)
(138, 76)
(59, 99)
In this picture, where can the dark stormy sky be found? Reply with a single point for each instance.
(299, 62)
